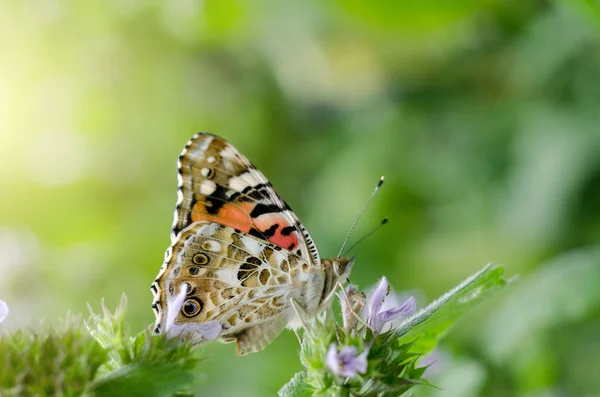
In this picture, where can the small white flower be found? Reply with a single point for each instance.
(3, 310)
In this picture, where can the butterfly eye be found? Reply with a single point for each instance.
(200, 259)
(191, 307)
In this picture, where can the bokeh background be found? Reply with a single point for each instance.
(482, 115)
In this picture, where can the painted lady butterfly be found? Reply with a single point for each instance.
(239, 257)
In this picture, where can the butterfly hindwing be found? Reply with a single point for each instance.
(219, 184)
(233, 278)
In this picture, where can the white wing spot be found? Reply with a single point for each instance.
(251, 246)
(211, 245)
(237, 184)
(240, 182)
(207, 187)
(227, 152)
(229, 276)
(211, 159)
(206, 142)
(251, 178)
(208, 230)
(205, 171)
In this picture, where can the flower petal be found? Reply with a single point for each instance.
(346, 363)
(174, 307)
(3, 310)
(347, 354)
(376, 302)
(347, 371)
(331, 359)
(406, 309)
(198, 332)
(409, 306)
(210, 330)
(360, 362)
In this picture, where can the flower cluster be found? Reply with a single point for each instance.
(383, 346)
(346, 361)
(366, 355)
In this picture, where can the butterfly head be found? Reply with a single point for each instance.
(337, 271)
(342, 267)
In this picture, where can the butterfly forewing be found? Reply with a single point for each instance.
(219, 184)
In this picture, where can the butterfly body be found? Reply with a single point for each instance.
(240, 252)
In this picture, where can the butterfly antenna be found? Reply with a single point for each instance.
(363, 238)
(361, 212)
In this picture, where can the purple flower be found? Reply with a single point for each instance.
(3, 310)
(206, 331)
(347, 362)
(378, 317)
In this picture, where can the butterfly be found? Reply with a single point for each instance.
(240, 262)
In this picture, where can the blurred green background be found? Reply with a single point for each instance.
(482, 115)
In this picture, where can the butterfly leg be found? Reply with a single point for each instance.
(332, 293)
(297, 310)
(300, 312)
(301, 315)
(298, 336)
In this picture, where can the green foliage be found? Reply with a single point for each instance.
(53, 361)
(145, 378)
(112, 332)
(395, 366)
(142, 364)
(97, 357)
(297, 387)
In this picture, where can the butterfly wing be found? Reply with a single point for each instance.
(243, 282)
(219, 184)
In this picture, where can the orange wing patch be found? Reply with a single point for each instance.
(276, 227)
(230, 214)
(273, 226)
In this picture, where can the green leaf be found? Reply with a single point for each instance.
(146, 378)
(296, 387)
(110, 330)
(50, 361)
(428, 325)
